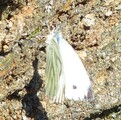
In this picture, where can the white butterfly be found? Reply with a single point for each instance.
(65, 73)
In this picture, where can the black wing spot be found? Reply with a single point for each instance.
(74, 87)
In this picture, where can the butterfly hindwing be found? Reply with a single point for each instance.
(53, 68)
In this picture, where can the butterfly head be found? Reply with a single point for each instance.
(55, 34)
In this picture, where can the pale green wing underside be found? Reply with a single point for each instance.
(53, 69)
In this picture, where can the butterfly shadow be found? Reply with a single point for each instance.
(31, 103)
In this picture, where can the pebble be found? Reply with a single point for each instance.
(88, 20)
(118, 7)
(108, 13)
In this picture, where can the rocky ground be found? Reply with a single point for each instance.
(92, 27)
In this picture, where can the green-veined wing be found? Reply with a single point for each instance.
(53, 68)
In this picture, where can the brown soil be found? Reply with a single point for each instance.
(92, 27)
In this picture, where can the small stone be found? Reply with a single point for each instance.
(108, 13)
(9, 24)
(118, 7)
(1, 96)
(108, 2)
(5, 47)
(82, 54)
(88, 20)
(114, 115)
(97, 106)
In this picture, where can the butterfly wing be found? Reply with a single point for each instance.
(77, 82)
(54, 83)
(65, 73)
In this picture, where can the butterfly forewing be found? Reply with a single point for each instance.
(77, 82)
(53, 68)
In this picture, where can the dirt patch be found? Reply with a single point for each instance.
(92, 27)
